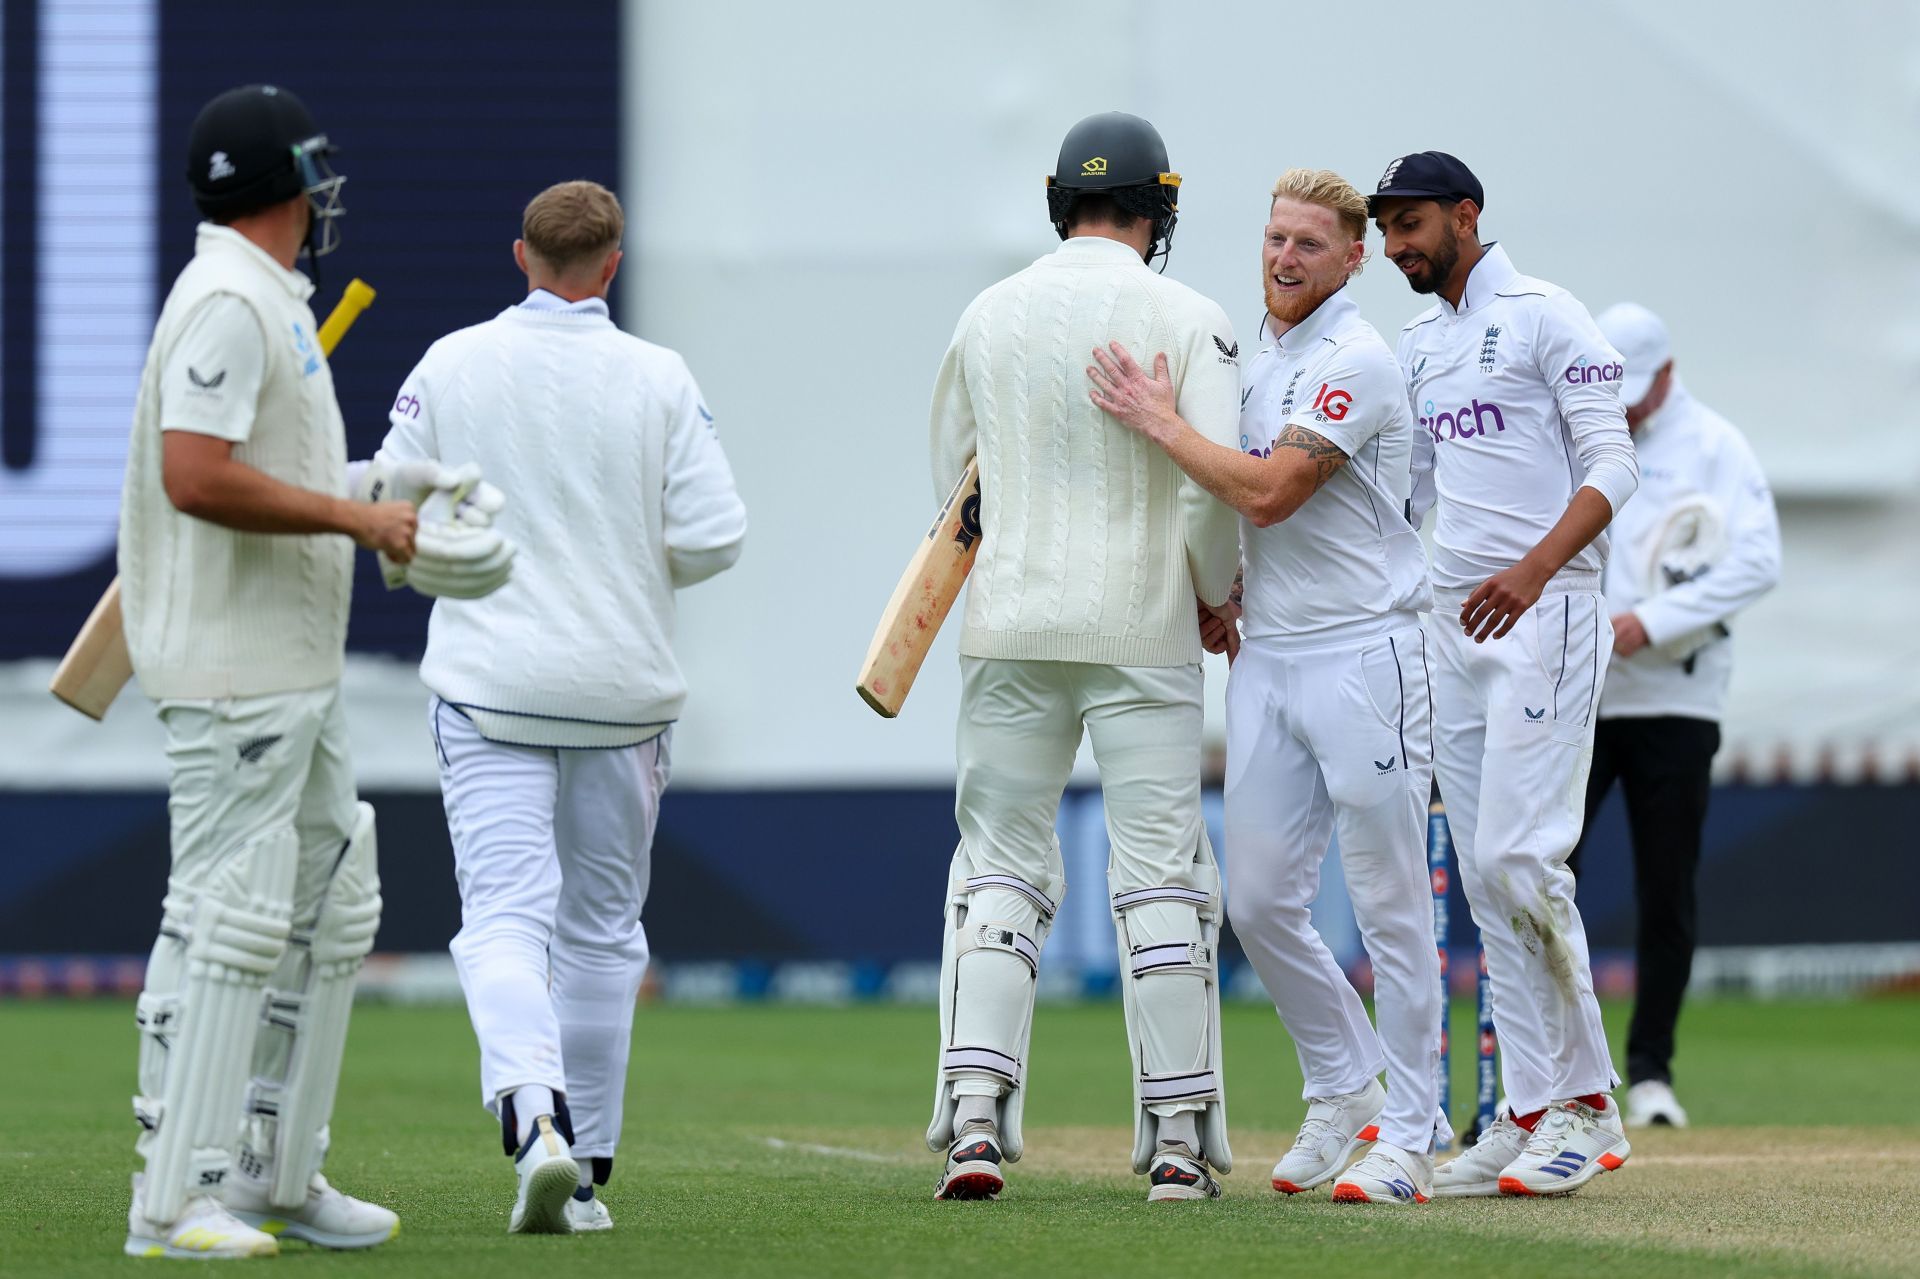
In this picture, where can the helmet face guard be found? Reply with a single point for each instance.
(321, 185)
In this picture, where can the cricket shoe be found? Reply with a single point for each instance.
(1475, 1171)
(1651, 1102)
(548, 1177)
(1178, 1173)
(973, 1164)
(204, 1230)
(587, 1212)
(1388, 1175)
(1334, 1131)
(328, 1219)
(1572, 1144)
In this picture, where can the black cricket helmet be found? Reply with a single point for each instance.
(257, 145)
(1123, 157)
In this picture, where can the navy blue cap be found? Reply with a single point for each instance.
(1427, 175)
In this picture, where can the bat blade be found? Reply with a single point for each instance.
(923, 598)
(97, 665)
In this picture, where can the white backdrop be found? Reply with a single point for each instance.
(816, 191)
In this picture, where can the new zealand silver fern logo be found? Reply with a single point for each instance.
(250, 751)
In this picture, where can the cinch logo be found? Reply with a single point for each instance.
(408, 404)
(1461, 423)
(1580, 372)
(1094, 166)
(1332, 403)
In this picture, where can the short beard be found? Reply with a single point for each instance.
(1291, 308)
(1440, 265)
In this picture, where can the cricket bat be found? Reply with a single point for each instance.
(97, 665)
(923, 598)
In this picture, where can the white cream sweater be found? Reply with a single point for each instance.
(1093, 544)
(617, 491)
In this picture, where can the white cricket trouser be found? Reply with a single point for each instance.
(240, 767)
(1318, 740)
(552, 849)
(1020, 727)
(1514, 738)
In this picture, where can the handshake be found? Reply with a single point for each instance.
(457, 553)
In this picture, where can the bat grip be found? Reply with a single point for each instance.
(358, 297)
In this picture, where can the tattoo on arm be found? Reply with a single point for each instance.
(1326, 456)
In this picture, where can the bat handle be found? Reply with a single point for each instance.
(357, 298)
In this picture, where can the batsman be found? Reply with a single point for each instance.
(236, 566)
(1080, 617)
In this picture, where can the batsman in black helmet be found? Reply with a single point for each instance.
(1081, 619)
(236, 563)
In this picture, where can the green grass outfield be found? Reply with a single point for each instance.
(783, 1141)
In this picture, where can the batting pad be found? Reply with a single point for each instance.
(193, 1076)
(989, 967)
(297, 1054)
(1169, 939)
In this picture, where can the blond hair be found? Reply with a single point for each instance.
(572, 224)
(1330, 191)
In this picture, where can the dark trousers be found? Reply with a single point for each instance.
(1662, 764)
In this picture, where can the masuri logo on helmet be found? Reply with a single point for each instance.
(1123, 157)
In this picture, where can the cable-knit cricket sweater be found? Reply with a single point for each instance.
(1093, 544)
(617, 491)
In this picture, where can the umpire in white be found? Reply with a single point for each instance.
(1080, 618)
(554, 698)
(1699, 543)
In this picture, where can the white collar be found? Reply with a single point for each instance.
(1335, 308)
(547, 300)
(1096, 248)
(1492, 273)
(212, 237)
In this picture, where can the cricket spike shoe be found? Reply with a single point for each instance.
(1388, 1175)
(587, 1212)
(1475, 1172)
(204, 1230)
(1651, 1102)
(328, 1219)
(973, 1164)
(1572, 1144)
(1178, 1173)
(1334, 1131)
(548, 1177)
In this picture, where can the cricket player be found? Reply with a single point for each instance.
(554, 699)
(235, 567)
(1517, 395)
(1080, 618)
(1700, 543)
(1328, 724)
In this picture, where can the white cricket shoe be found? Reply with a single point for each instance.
(204, 1230)
(973, 1164)
(1650, 1102)
(1334, 1131)
(328, 1219)
(1178, 1173)
(1388, 1175)
(1475, 1171)
(548, 1177)
(1572, 1144)
(588, 1213)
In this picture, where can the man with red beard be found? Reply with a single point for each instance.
(1328, 725)
(1518, 393)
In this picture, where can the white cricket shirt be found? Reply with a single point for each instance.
(1518, 395)
(1347, 564)
(1688, 451)
(1093, 543)
(617, 491)
(211, 611)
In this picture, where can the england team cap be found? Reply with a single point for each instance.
(1642, 341)
(1427, 175)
